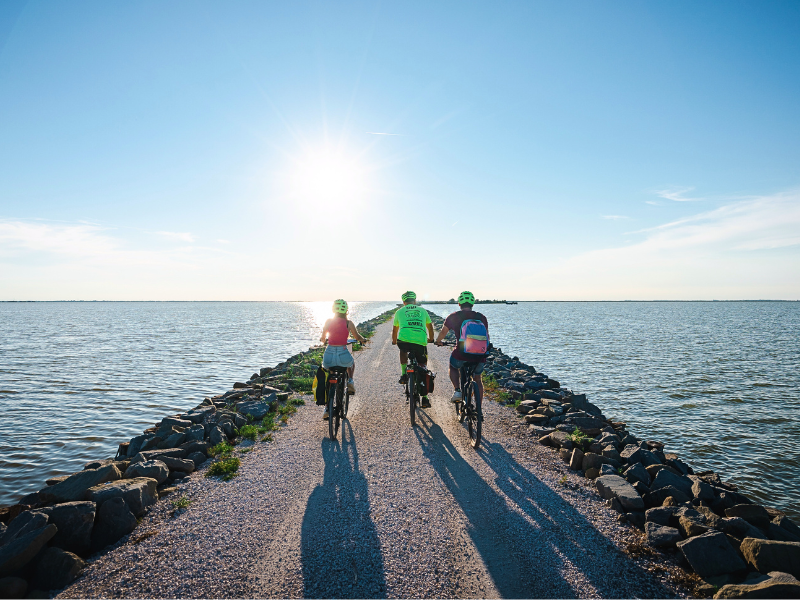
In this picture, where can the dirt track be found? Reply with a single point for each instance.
(386, 511)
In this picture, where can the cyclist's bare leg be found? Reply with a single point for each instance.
(350, 371)
(403, 357)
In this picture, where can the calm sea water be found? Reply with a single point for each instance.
(718, 382)
(78, 378)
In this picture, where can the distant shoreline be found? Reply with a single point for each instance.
(422, 302)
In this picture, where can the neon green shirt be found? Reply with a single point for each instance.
(412, 321)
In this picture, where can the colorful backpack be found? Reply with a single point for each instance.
(474, 338)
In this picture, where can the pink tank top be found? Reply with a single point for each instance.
(337, 332)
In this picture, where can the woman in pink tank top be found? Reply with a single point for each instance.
(335, 333)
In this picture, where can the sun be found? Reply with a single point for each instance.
(328, 177)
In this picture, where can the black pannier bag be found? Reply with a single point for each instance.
(425, 380)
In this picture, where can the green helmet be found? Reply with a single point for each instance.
(340, 306)
(466, 298)
(409, 296)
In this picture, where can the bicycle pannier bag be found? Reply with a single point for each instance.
(474, 338)
(425, 380)
(319, 387)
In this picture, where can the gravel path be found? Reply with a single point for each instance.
(387, 511)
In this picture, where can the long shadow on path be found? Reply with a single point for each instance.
(530, 539)
(340, 550)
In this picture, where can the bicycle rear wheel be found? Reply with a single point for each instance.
(461, 407)
(339, 405)
(474, 417)
(332, 412)
(412, 399)
(346, 405)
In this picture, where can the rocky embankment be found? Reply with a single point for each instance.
(46, 538)
(738, 548)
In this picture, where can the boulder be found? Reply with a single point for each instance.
(702, 491)
(137, 442)
(533, 418)
(690, 525)
(154, 469)
(611, 452)
(114, 520)
(637, 472)
(752, 513)
(17, 552)
(58, 568)
(636, 519)
(661, 515)
(576, 460)
(172, 441)
(776, 532)
(257, 409)
(192, 447)
(74, 521)
(13, 587)
(198, 458)
(787, 524)
(665, 478)
(74, 487)
(183, 465)
(661, 536)
(138, 493)
(23, 524)
(159, 454)
(772, 587)
(56, 479)
(196, 433)
(586, 424)
(771, 555)
(591, 473)
(634, 454)
(740, 528)
(614, 486)
(561, 439)
(217, 436)
(711, 555)
(593, 461)
(96, 464)
(657, 497)
(169, 422)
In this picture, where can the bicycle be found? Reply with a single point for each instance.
(412, 389)
(338, 398)
(469, 409)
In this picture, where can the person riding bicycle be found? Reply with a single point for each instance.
(409, 335)
(335, 333)
(466, 300)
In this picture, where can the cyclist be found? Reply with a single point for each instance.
(466, 300)
(335, 333)
(412, 332)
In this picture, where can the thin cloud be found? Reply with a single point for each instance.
(653, 203)
(677, 194)
(383, 133)
(177, 235)
(223, 241)
(615, 217)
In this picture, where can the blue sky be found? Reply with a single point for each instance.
(538, 150)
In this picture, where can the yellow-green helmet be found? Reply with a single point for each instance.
(466, 298)
(340, 306)
(409, 296)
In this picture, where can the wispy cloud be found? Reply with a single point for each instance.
(383, 133)
(677, 194)
(653, 202)
(81, 239)
(615, 217)
(177, 236)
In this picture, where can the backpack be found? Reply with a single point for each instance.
(319, 387)
(474, 338)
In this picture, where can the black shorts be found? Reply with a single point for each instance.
(418, 350)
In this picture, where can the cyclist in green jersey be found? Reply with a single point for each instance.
(412, 332)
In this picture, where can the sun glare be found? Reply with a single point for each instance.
(328, 178)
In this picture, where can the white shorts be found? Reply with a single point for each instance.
(337, 356)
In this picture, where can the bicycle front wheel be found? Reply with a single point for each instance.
(332, 412)
(474, 417)
(412, 399)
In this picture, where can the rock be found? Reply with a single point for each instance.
(114, 520)
(178, 464)
(712, 519)
(691, 526)
(561, 440)
(56, 479)
(193, 447)
(608, 470)
(16, 552)
(637, 472)
(138, 493)
(217, 436)
(776, 532)
(154, 469)
(661, 515)
(770, 555)
(738, 527)
(96, 464)
(159, 454)
(566, 455)
(641, 488)
(661, 536)
(666, 478)
(198, 458)
(172, 441)
(657, 497)
(614, 486)
(592, 461)
(196, 433)
(74, 487)
(153, 442)
(239, 385)
(585, 424)
(634, 454)
(533, 418)
(752, 513)
(680, 467)
(257, 409)
(23, 524)
(169, 422)
(13, 587)
(636, 519)
(610, 452)
(787, 524)
(711, 554)
(58, 568)
(770, 588)
(576, 460)
(702, 491)
(591, 473)
(74, 521)
(137, 442)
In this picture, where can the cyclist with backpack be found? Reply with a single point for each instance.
(412, 331)
(472, 330)
(335, 333)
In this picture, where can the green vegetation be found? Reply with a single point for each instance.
(297, 402)
(222, 449)
(226, 468)
(563, 480)
(302, 384)
(182, 502)
(249, 432)
(579, 438)
(287, 409)
(493, 391)
(268, 424)
(267, 438)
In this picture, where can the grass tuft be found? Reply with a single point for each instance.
(249, 432)
(179, 503)
(222, 449)
(226, 468)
